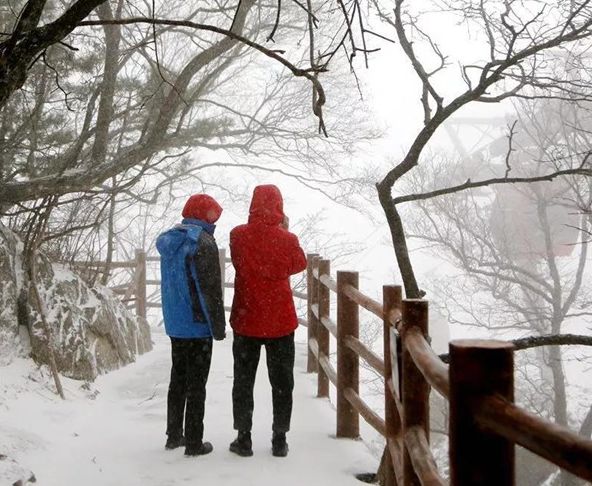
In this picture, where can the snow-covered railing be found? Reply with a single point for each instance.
(484, 423)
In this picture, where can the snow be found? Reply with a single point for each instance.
(112, 432)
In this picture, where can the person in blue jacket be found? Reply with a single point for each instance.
(193, 310)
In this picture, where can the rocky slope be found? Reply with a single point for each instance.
(92, 331)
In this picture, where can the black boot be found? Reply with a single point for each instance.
(199, 450)
(242, 445)
(279, 446)
(174, 442)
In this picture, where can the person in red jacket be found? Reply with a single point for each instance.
(264, 254)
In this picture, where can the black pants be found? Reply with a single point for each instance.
(280, 367)
(187, 389)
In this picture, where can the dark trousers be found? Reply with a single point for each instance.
(187, 389)
(280, 367)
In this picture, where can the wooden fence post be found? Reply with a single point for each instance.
(322, 333)
(311, 299)
(391, 300)
(348, 323)
(415, 389)
(140, 284)
(222, 260)
(478, 369)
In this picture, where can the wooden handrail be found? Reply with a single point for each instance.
(422, 458)
(369, 415)
(555, 443)
(430, 365)
(123, 286)
(366, 354)
(300, 295)
(364, 301)
(325, 363)
(330, 324)
(328, 282)
(313, 345)
(131, 264)
(119, 291)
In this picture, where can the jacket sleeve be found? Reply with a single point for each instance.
(208, 269)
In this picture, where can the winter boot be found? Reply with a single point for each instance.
(174, 442)
(242, 445)
(199, 450)
(279, 446)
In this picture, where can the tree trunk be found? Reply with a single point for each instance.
(399, 243)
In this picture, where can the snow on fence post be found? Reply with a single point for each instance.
(311, 299)
(324, 300)
(140, 284)
(479, 369)
(415, 389)
(222, 260)
(391, 300)
(348, 363)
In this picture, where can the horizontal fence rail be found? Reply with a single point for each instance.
(134, 292)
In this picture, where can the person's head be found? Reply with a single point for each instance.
(267, 205)
(202, 207)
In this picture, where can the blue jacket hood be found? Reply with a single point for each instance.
(172, 240)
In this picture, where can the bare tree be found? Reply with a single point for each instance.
(175, 83)
(519, 60)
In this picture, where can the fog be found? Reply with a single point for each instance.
(443, 146)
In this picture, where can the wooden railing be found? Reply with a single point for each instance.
(484, 423)
(134, 292)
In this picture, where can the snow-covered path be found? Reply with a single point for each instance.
(118, 438)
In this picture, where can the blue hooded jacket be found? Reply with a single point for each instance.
(191, 288)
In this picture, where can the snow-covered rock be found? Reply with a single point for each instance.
(12, 473)
(92, 331)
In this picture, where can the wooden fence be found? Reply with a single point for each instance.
(134, 292)
(484, 423)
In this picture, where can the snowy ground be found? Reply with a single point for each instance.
(117, 438)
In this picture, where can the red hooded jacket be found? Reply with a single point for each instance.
(264, 256)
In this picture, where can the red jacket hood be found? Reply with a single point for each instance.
(267, 205)
(203, 207)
